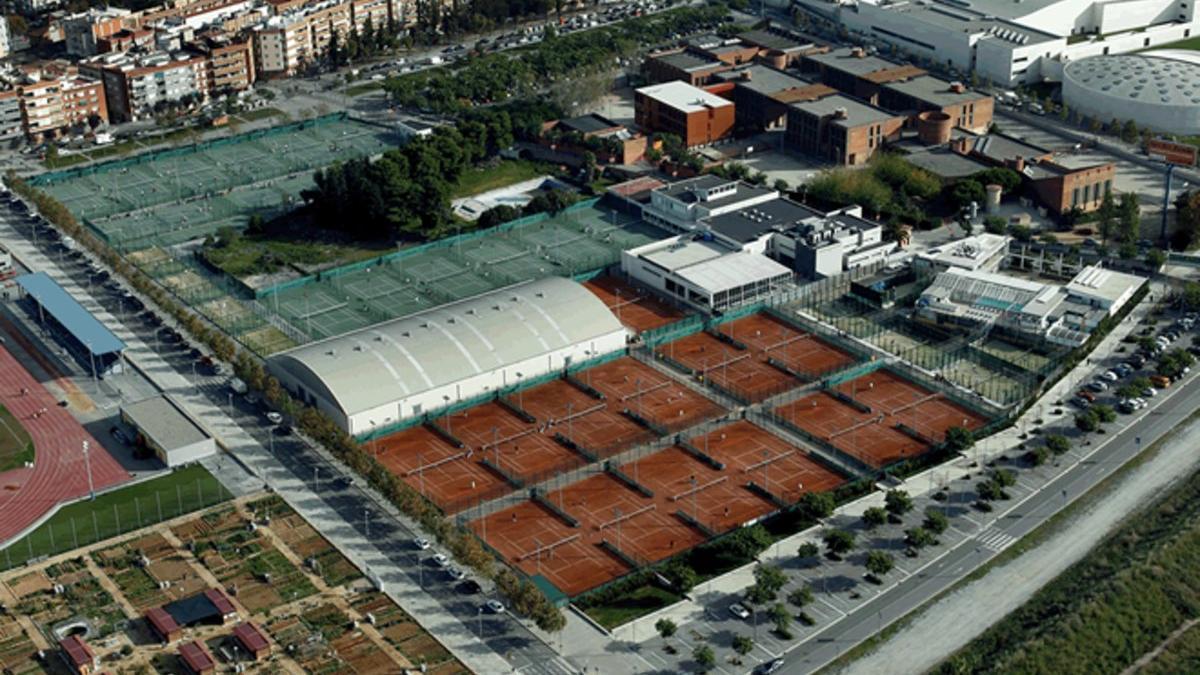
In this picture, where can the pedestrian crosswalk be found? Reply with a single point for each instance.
(556, 666)
(996, 539)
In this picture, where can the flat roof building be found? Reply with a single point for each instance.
(693, 114)
(1103, 288)
(840, 129)
(681, 206)
(967, 109)
(982, 252)
(163, 427)
(704, 274)
(682, 65)
(762, 94)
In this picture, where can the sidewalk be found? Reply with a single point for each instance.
(737, 581)
(364, 553)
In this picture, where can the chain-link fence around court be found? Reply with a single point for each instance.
(576, 242)
(170, 196)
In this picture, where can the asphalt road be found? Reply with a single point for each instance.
(831, 642)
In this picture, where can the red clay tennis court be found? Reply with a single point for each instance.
(635, 307)
(903, 401)
(644, 528)
(443, 473)
(717, 499)
(800, 351)
(595, 425)
(869, 437)
(629, 384)
(755, 454)
(740, 372)
(517, 447)
(539, 542)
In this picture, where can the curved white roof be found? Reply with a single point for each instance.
(1165, 77)
(390, 361)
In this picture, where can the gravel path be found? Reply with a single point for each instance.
(948, 625)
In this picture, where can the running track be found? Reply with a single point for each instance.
(59, 473)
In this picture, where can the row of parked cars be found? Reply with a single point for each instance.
(1111, 378)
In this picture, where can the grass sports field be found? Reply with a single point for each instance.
(114, 513)
(16, 447)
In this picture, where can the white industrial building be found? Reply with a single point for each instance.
(1160, 90)
(1064, 315)
(979, 253)
(1011, 42)
(399, 369)
(703, 273)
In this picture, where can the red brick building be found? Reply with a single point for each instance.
(695, 115)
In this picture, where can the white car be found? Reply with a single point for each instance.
(1110, 376)
(1149, 392)
(456, 574)
(274, 417)
(495, 606)
(441, 560)
(739, 611)
(421, 543)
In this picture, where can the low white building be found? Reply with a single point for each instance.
(1103, 289)
(706, 274)
(400, 369)
(982, 252)
(1064, 315)
(681, 206)
(162, 426)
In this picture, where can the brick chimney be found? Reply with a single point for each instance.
(747, 75)
(840, 114)
(858, 53)
(1019, 164)
(959, 145)
(957, 87)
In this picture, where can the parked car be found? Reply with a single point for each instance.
(441, 560)
(1160, 381)
(274, 417)
(1098, 386)
(456, 574)
(495, 606)
(469, 587)
(1087, 396)
(1110, 376)
(769, 667)
(739, 611)
(421, 543)
(119, 435)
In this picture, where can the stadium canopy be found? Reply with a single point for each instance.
(67, 311)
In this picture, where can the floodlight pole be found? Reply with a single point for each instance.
(87, 461)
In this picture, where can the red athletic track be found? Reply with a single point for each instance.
(59, 473)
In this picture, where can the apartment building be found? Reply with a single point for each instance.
(229, 60)
(85, 31)
(10, 114)
(288, 43)
(55, 101)
(137, 85)
(5, 40)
